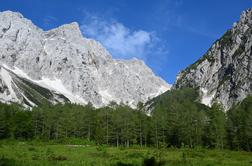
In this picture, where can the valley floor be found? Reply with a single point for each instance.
(44, 154)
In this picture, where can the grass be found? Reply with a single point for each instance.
(50, 154)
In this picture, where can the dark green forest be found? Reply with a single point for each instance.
(177, 120)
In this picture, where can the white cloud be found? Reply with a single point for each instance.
(121, 41)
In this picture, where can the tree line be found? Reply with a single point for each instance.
(176, 120)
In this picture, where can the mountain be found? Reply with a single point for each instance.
(60, 65)
(15, 89)
(224, 73)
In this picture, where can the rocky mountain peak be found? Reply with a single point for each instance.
(62, 61)
(224, 73)
(11, 15)
(246, 17)
(70, 32)
(15, 20)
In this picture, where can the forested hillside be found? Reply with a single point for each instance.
(177, 120)
(239, 125)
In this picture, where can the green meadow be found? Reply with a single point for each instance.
(17, 153)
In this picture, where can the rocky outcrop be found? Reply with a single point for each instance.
(81, 69)
(15, 89)
(224, 73)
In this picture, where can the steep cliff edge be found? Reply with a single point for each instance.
(224, 73)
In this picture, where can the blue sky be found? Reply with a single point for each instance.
(167, 34)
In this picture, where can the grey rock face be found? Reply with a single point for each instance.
(224, 73)
(23, 91)
(81, 69)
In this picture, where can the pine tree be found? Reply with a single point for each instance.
(216, 126)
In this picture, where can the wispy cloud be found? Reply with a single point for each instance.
(120, 40)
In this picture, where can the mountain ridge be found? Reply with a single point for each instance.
(224, 73)
(81, 65)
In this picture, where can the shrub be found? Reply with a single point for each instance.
(153, 162)
(31, 149)
(57, 158)
(6, 162)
